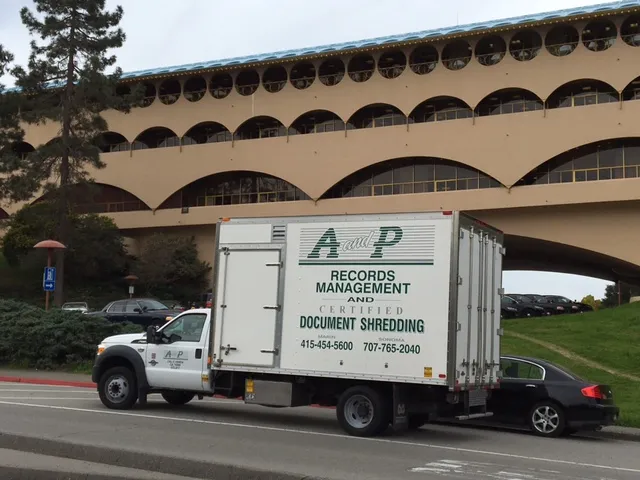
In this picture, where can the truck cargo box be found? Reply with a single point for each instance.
(405, 298)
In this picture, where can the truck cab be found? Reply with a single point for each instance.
(167, 360)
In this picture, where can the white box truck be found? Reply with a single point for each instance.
(392, 319)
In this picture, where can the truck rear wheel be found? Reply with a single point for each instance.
(118, 388)
(178, 398)
(362, 412)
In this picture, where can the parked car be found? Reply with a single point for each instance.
(519, 306)
(75, 307)
(141, 311)
(549, 399)
(550, 307)
(571, 306)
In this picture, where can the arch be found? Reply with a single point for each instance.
(438, 109)
(109, 142)
(582, 92)
(408, 175)
(612, 159)
(100, 198)
(632, 90)
(156, 137)
(207, 132)
(317, 121)
(508, 100)
(530, 253)
(233, 188)
(376, 115)
(22, 149)
(262, 126)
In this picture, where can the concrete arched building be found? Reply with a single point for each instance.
(527, 123)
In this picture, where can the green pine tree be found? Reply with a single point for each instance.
(66, 82)
(10, 131)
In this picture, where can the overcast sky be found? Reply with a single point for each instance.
(169, 32)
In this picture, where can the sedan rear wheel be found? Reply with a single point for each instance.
(547, 419)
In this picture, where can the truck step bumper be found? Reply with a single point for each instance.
(472, 416)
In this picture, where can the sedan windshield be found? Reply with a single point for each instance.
(152, 305)
(521, 298)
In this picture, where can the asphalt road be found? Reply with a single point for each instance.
(303, 442)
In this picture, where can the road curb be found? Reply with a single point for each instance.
(45, 381)
(139, 459)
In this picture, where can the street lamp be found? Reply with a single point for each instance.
(49, 276)
(131, 279)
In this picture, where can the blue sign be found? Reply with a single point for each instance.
(49, 279)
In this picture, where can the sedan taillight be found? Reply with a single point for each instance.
(593, 392)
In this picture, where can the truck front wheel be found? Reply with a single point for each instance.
(118, 388)
(178, 398)
(362, 412)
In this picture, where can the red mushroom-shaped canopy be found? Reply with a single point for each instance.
(131, 278)
(49, 244)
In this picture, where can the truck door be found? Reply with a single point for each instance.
(247, 307)
(179, 361)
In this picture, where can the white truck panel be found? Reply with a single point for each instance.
(368, 297)
(247, 307)
(410, 297)
(478, 306)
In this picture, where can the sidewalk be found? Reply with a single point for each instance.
(47, 377)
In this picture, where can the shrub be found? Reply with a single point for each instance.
(46, 340)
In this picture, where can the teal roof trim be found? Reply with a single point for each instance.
(380, 41)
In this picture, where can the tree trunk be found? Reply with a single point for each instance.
(63, 198)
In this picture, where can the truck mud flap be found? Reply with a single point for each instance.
(399, 416)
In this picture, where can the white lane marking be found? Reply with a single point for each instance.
(325, 434)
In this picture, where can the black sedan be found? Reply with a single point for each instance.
(548, 399)
(519, 306)
(141, 311)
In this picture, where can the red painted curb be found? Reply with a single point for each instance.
(65, 383)
(42, 381)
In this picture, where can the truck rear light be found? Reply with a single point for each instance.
(442, 375)
(447, 212)
(592, 392)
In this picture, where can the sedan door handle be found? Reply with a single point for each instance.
(530, 386)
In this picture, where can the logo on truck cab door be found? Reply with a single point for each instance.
(355, 244)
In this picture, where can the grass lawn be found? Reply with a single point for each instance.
(625, 392)
(610, 337)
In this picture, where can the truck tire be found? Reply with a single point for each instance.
(118, 388)
(178, 398)
(362, 412)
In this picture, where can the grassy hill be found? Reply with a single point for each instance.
(602, 347)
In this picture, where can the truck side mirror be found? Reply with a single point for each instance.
(152, 334)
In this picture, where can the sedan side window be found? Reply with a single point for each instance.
(117, 307)
(521, 370)
(188, 327)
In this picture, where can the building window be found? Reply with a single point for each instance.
(377, 115)
(510, 100)
(316, 121)
(562, 40)
(440, 109)
(411, 175)
(610, 160)
(491, 50)
(525, 45)
(456, 55)
(581, 93)
(599, 35)
(423, 59)
(331, 72)
(260, 127)
(237, 188)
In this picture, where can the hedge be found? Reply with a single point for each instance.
(32, 337)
